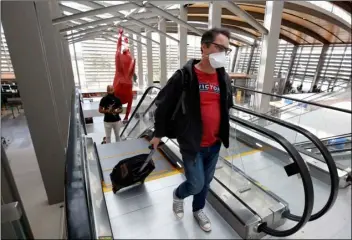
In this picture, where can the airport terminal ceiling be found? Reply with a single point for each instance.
(303, 22)
(310, 25)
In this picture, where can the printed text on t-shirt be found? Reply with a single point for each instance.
(209, 88)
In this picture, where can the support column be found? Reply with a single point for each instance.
(36, 61)
(64, 54)
(149, 59)
(289, 70)
(214, 19)
(319, 67)
(234, 59)
(182, 36)
(140, 62)
(265, 79)
(163, 59)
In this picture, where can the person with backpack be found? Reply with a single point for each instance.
(194, 108)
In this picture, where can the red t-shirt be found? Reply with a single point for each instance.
(210, 106)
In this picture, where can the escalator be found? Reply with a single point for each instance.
(339, 147)
(316, 118)
(239, 205)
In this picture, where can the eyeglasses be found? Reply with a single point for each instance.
(222, 48)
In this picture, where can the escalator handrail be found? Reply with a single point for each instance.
(296, 100)
(303, 171)
(78, 218)
(137, 107)
(145, 112)
(326, 145)
(326, 138)
(334, 177)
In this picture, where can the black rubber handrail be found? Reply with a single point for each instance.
(334, 177)
(326, 145)
(302, 170)
(78, 222)
(137, 107)
(81, 114)
(296, 100)
(145, 112)
(327, 138)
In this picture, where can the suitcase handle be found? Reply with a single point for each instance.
(149, 158)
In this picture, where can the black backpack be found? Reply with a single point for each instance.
(171, 129)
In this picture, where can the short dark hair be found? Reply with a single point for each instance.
(210, 35)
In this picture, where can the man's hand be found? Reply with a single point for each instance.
(118, 110)
(155, 142)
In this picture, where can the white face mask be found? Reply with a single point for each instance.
(217, 60)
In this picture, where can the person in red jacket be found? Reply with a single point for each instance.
(125, 66)
(206, 123)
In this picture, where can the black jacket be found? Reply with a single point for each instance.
(189, 126)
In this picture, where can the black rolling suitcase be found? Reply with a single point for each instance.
(132, 170)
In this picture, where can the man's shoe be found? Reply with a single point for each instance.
(177, 206)
(202, 220)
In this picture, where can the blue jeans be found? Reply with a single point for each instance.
(199, 174)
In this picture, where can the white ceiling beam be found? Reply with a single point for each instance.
(112, 9)
(204, 27)
(91, 4)
(89, 30)
(93, 23)
(171, 17)
(307, 4)
(85, 35)
(109, 39)
(241, 39)
(112, 34)
(142, 24)
(74, 11)
(232, 7)
(137, 33)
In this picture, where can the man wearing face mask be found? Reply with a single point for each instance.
(111, 106)
(205, 124)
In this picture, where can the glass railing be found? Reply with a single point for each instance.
(253, 152)
(327, 117)
(291, 133)
(290, 107)
(142, 117)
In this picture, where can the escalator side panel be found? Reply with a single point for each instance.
(99, 209)
(317, 168)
